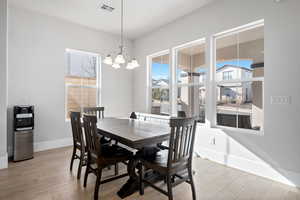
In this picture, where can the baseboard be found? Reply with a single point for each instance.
(4, 161)
(52, 144)
(258, 168)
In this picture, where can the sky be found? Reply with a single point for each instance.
(161, 71)
(242, 63)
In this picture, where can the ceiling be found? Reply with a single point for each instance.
(141, 16)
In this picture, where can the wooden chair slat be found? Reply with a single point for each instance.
(181, 144)
(98, 111)
(78, 142)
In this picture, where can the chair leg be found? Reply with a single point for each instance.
(87, 171)
(141, 178)
(86, 175)
(98, 181)
(116, 169)
(169, 185)
(190, 172)
(80, 166)
(72, 158)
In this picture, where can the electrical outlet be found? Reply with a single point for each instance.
(281, 100)
(212, 141)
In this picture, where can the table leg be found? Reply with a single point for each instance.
(132, 166)
(132, 185)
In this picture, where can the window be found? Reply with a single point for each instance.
(81, 80)
(234, 84)
(191, 76)
(227, 75)
(239, 78)
(160, 83)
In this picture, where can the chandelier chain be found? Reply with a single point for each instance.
(122, 25)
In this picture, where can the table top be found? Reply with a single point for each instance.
(134, 133)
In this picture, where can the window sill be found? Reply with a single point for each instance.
(240, 130)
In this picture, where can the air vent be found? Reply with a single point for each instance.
(106, 5)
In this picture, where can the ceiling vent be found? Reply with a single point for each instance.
(106, 5)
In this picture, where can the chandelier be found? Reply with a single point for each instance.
(120, 59)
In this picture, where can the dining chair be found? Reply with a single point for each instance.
(181, 114)
(101, 155)
(173, 161)
(99, 112)
(78, 142)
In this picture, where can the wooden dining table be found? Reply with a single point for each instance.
(135, 134)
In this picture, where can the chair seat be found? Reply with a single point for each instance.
(114, 151)
(110, 155)
(160, 162)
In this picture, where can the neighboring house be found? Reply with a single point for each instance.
(257, 101)
(235, 93)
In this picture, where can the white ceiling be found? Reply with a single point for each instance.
(141, 16)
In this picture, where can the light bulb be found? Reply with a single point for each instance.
(120, 59)
(134, 63)
(129, 65)
(108, 60)
(116, 65)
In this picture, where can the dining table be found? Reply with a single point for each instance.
(134, 134)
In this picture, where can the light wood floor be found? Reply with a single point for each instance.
(47, 176)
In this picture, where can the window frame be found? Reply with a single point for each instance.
(210, 82)
(149, 79)
(98, 78)
(213, 71)
(177, 85)
(229, 78)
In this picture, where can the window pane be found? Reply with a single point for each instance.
(160, 71)
(227, 58)
(251, 47)
(160, 101)
(81, 64)
(191, 102)
(79, 97)
(240, 105)
(81, 81)
(240, 57)
(160, 85)
(228, 98)
(191, 66)
(191, 69)
(252, 109)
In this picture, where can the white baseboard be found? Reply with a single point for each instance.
(258, 168)
(53, 144)
(3, 161)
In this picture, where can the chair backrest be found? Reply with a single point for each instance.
(91, 136)
(133, 116)
(181, 114)
(98, 111)
(181, 143)
(77, 128)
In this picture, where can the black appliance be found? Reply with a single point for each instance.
(23, 132)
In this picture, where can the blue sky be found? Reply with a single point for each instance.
(242, 63)
(161, 71)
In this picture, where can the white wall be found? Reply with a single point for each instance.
(36, 69)
(277, 149)
(3, 82)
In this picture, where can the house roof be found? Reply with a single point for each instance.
(234, 66)
(257, 65)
